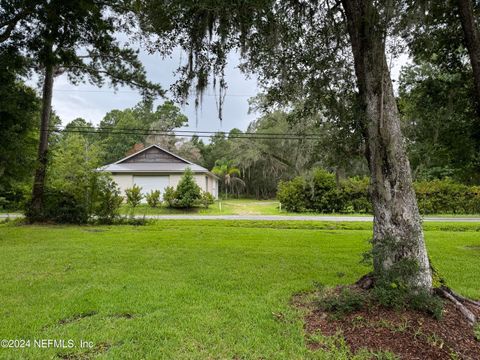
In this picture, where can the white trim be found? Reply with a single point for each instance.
(149, 147)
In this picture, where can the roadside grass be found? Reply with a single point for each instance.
(223, 207)
(246, 207)
(186, 289)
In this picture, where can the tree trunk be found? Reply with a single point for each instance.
(397, 233)
(39, 180)
(472, 41)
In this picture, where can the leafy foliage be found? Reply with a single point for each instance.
(187, 193)
(19, 108)
(115, 130)
(207, 199)
(107, 200)
(345, 302)
(153, 198)
(134, 195)
(228, 174)
(60, 207)
(293, 195)
(169, 196)
(321, 194)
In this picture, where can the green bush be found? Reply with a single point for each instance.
(207, 199)
(345, 302)
(447, 197)
(169, 196)
(320, 193)
(325, 197)
(106, 200)
(134, 195)
(188, 193)
(60, 207)
(355, 192)
(153, 198)
(293, 194)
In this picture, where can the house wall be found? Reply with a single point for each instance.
(125, 181)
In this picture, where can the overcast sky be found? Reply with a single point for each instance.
(92, 103)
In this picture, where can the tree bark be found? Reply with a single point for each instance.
(40, 172)
(472, 41)
(398, 235)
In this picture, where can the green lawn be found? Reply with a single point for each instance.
(239, 207)
(190, 289)
(224, 207)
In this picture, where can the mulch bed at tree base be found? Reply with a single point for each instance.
(408, 334)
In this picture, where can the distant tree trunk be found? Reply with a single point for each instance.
(398, 235)
(339, 174)
(40, 172)
(472, 41)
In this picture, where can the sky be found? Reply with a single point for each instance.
(92, 103)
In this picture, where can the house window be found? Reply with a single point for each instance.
(206, 183)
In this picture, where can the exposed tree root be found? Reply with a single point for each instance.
(366, 282)
(459, 302)
(461, 298)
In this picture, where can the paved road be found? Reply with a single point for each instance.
(280, 217)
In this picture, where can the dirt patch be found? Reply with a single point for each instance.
(408, 334)
(92, 353)
(125, 315)
(76, 317)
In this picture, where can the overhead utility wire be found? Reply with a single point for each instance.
(234, 136)
(191, 132)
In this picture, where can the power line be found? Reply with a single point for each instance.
(233, 136)
(191, 132)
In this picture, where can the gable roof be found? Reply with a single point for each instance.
(153, 146)
(124, 166)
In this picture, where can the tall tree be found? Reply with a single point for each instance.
(437, 41)
(398, 234)
(19, 107)
(76, 38)
(472, 40)
(300, 47)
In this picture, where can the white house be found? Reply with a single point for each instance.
(155, 168)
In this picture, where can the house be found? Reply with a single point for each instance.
(155, 168)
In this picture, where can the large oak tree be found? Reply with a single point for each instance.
(322, 51)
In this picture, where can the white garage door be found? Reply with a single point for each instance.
(149, 183)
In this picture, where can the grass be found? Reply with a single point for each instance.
(243, 207)
(224, 207)
(190, 289)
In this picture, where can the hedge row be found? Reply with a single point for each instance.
(320, 193)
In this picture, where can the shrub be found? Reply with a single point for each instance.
(207, 199)
(342, 303)
(153, 198)
(134, 196)
(60, 206)
(355, 192)
(169, 196)
(293, 194)
(324, 195)
(320, 193)
(447, 196)
(188, 192)
(107, 200)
